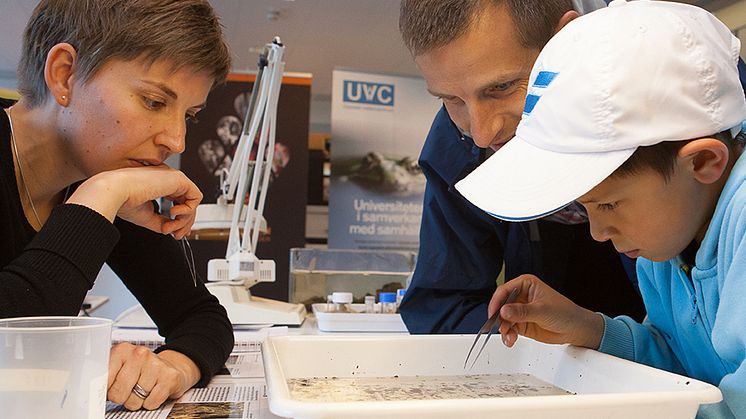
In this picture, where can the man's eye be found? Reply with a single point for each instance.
(504, 86)
(501, 87)
(452, 100)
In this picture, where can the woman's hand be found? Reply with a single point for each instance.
(162, 376)
(543, 314)
(128, 193)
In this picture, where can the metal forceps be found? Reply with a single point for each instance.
(487, 328)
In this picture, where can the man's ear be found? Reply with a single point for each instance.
(706, 158)
(565, 19)
(58, 72)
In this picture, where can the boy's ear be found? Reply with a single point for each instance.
(58, 72)
(706, 158)
(568, 17)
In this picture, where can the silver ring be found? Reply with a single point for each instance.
(140, 392)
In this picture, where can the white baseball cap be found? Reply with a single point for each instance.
(633, 74)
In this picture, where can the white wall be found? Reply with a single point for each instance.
(734, 17)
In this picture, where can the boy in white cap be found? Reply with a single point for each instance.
(635, 112)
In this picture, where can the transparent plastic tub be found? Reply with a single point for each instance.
(316, 273)
(603, 386)
(54, 367)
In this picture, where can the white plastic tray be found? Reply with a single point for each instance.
(606, 386)
(357, 321)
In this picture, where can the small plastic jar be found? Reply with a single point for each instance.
(370, 303)
(341, 302)
(400, 296)
(388, 302)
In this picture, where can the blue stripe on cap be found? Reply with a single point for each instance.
(531, 101)
(544, 78)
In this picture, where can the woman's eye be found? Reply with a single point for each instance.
(152, 103)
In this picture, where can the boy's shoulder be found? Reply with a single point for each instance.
(732, 200)
(727, 225)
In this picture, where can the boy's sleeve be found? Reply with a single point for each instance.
(729, 333)
(625, 338)
(645, 343)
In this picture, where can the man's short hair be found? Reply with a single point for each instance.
(187, 33)
(429, 24)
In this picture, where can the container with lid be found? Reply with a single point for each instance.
(388, 302)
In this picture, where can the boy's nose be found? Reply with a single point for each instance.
(600, 232)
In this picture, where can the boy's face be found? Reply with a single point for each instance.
(131, 114)
(645, 215)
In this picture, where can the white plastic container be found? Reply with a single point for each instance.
(54, 367)
(358, 320)
(605, 386)
(341, 302)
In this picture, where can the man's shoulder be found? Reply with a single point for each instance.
(445, 151)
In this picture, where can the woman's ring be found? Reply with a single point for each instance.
(140, 392)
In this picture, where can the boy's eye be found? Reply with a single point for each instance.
(607, 207)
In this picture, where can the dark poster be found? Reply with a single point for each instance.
(209, 147)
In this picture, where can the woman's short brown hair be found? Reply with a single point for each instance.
(187, 33)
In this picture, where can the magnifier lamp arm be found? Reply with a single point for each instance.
(271, 124)
(265, 151)
(250, 125)
(266, 107)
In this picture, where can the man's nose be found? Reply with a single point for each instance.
(484, 125)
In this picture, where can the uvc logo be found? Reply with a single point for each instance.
(368, 93)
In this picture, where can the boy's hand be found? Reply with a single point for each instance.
(543, 314)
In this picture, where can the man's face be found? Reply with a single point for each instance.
(645, 215)
(482, 77)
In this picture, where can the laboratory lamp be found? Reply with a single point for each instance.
(244, 191)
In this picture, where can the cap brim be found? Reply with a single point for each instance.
(521, 182)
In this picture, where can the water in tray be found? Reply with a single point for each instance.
(338, 389)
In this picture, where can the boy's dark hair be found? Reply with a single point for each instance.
(429, 24)
(661, 157)
(185, 32)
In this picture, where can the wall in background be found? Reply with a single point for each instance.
(734, 17)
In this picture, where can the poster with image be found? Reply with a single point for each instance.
(210, 145)
(379, 123)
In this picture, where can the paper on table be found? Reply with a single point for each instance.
(246, 398)
(245, 340)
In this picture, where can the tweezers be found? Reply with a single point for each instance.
(488, 327)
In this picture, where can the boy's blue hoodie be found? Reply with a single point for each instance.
(697, 326)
